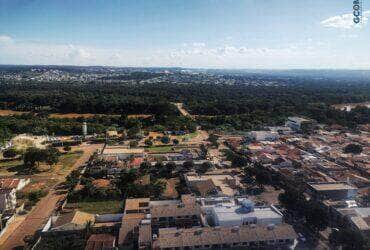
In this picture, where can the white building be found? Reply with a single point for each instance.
(263, 135)
(245, 213)
(122, 152)
(296, 123)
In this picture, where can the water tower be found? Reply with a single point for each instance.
(84, 129)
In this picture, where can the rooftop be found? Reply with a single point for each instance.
(298, 119)
(100, 241)
(329, 186)
(236, 213)
(225, 182)
(136, 204)
(122, 150)
(172, 237)
(75, 219)
(173, 210)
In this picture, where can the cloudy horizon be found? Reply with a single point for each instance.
(190, 34)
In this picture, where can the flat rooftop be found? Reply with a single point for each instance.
(136, 204)
(122, 150)
(298, 119)
(172, 237)
(227, 213)
(331, 186)
(223, 181)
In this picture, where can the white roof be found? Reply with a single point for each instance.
(122, 150)
(231, 213)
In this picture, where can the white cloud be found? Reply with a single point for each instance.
(5, 39)
(199, 44)
(297, 55)
(345, 21)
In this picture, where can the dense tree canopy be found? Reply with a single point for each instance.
(241, 106)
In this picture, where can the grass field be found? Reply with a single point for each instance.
(66, 161)
(9, 167)
(159, 149)
(189, 136)
(98, 207)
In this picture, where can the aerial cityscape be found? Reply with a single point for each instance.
(184, 125)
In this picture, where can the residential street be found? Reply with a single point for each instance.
(41, 212)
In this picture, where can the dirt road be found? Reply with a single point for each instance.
(41, 212)
(183, 111)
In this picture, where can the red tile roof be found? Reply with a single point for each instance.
(9, 183)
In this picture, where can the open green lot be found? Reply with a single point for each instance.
(189, 136)
(159, 149)
(98, 207)
(66, 161)
(10, 167)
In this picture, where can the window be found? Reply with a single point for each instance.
(143, 204)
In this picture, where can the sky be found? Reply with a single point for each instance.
(250, 34)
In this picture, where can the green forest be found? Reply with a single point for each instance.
(225, 106)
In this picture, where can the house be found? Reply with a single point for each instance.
(101, 242)
(17, 184)
(75, 220)
(213, 183)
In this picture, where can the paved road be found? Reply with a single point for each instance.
(42, 211)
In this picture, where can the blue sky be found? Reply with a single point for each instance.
(189, 33)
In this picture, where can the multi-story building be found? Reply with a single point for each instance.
(332, 190)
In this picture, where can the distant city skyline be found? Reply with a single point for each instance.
(273, 34)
